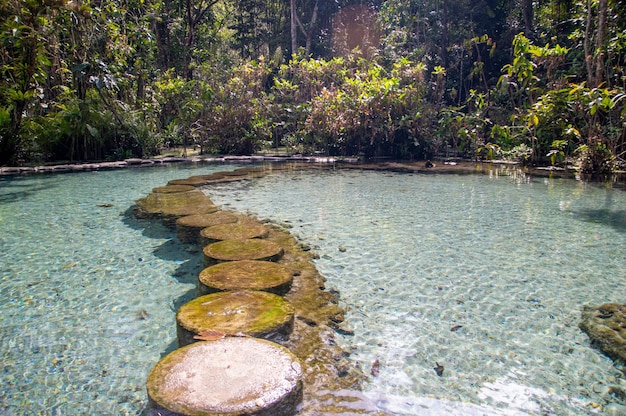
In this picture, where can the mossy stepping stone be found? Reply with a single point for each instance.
(168, 189)
(232, 250)
(606, 327)
(171, 206)
(228, 377)
(233, 231)
(246, 312)
(188, 228)
(246, 274)
(193, 181)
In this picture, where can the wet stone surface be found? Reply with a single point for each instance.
(606, 327)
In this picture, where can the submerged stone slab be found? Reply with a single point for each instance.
(231, 376)
(232, 250)
(606, 327)
(246, 274)
(233, 231)
(188, 228)
(170, 206)
(245, 312)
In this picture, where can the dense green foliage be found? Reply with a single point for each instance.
(540, 82)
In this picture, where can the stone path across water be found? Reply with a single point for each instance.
(222, 365)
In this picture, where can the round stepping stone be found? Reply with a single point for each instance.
(246, 274)
(228, 377)
(233, 231)
(171, 206)
(173, 188)
(232, 250)
(193, 181)
(188, 228)
(246, 312)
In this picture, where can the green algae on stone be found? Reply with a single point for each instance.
(171, 206)
(245, 312)
(188, 227)
(606, 327)
(228, 377)
(173, 188)
(196, 182)
(251, 249)
(233, 231)
(246, 274)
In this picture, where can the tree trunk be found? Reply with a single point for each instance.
(444, 35)
(527, 10)
(601, 41)
(586, 43)
(294, 28)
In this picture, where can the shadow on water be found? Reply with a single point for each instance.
(614, 219)
(148, 227)
(20, 194)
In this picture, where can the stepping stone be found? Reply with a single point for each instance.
(171, 206)
(173, 188)
(188, 228)
(233, 231)
(193, 181)
(243, 313)
(246, 274)
(228, 377)
(232, 250)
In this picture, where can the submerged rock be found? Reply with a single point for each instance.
(606, 327)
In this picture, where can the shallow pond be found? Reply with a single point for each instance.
(88, 293)
(484, 275)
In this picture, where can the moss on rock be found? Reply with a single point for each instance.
(606, 327)
(245, 312)
(168, 189)
(251, 249)
(246, 274)
(171, 206)
(233, 231)
(188, 227)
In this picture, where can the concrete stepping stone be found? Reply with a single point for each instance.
(188, 228)
(231, 376)
(246, 274)
(233, 231)
(232, 250)
(242, 313)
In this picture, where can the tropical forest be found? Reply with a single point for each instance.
(535, 82)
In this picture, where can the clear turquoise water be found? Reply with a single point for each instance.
(485, 275)
(88, 294)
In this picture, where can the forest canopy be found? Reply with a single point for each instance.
(539, 82)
